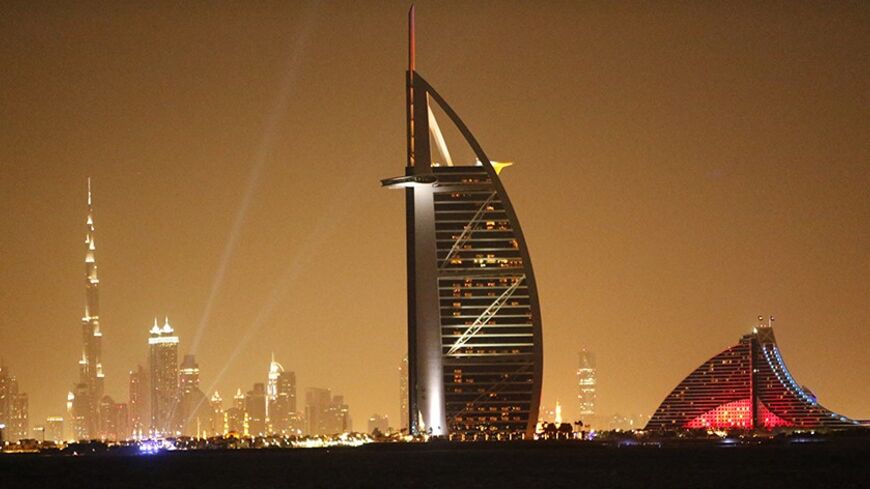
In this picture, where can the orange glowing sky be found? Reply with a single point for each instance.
(679, 170)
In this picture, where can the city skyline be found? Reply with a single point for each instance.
(662, 238)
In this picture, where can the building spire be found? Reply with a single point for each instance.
(412, 42)
(89, 388)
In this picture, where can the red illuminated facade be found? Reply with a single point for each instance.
(746, 386)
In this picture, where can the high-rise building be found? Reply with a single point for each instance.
(13, 408)
(5, 394)
(88, 391)
(255, 410)
(188, 375)
(194, 412)
(114, 420)
(54, 429)
(239, 400)
(378, 422)
(403, 394)
(475, 352)
(235, 418)
(326, 414)
(163, 362)
(77, 404)
(234, 421)
(338, 416)
(281, 400)
(587, 381)
(18, 419)
(316, 402)
(746, 386)
(275, 370)
(216, 421)
(140, 395)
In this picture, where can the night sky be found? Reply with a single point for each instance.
(680, 169)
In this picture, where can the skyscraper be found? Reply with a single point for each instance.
(275, 370)
(140, 414)
(475, 352)
(403, 394)
(13, 407)
(114, 420)
(586, 384)
(216, 421)
(255, 410)
(5, 394)
(77, 409)
(193, 409)
(18, 426)
(281, 400)
(89, 390)
(54, 429)
(163, 362)
(234, 417)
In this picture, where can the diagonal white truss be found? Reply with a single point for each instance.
(436, 133)
(486, 315)
(467, 230)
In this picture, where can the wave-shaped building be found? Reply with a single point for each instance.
(746, 386)
(474, 329)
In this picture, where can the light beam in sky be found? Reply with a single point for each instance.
(273, 121)
(314, 241)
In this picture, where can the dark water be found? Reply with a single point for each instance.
(448, 466)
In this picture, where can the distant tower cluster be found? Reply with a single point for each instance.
(88, 392)
(325, 413)
(267, 409)
(587, 382)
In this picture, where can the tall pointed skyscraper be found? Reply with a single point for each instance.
(475, 355)
(89, 389)
(163, 362)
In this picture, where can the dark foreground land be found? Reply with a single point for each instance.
(518, 465)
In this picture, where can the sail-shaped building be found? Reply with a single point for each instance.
(474, 325)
